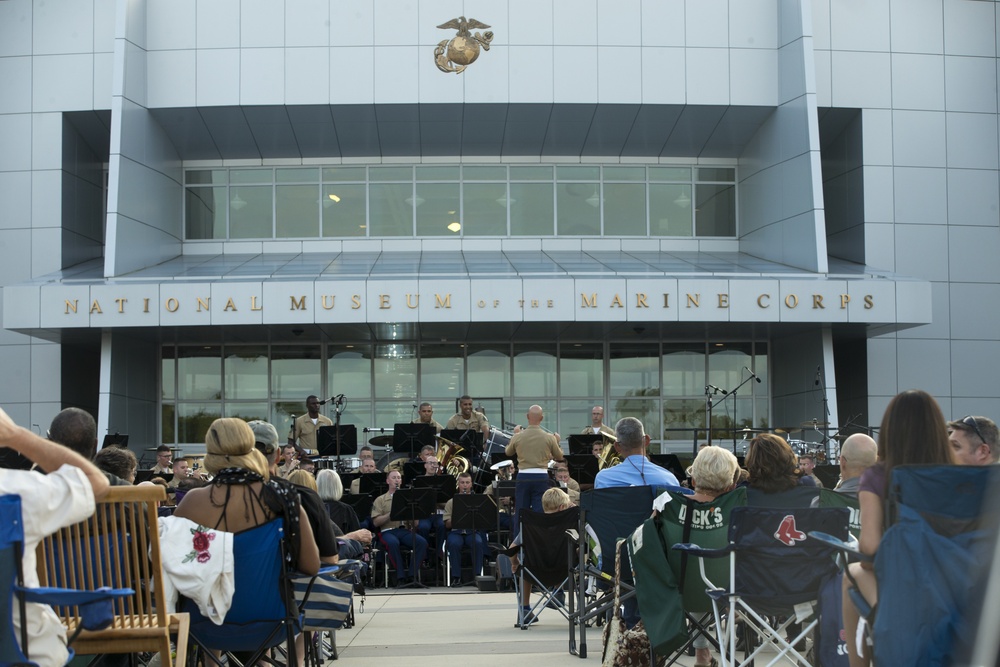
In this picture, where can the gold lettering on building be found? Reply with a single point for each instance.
(145, 305)
(520, 302)
(121, 304)
(550, 303)
(760, 301)
(355, 301)
(844, 300)
(588, 303)
(328, 299)
(666, 300)
(869, 302)
(230, 305)
(534, 303)
(818, 302)
(203, 303)
(442, 303)
(96, 308)
(693, 299)
(416, 300)
(617, 302)
(496, 303)
(791, 301)
(298, 305)
(71, 305)
(640, 300)
(172, 305)
(383, 302)
(723, 301)
(254, 305)
(481, 303)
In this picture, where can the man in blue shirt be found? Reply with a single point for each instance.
(635, 469)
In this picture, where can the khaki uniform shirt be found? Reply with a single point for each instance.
(383, 505)
(534, 448)
(477, 422)
(605, 429)
(305, 430)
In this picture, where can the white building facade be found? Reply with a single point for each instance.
(219, 207)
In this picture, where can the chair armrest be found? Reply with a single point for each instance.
(850, 546)
(701, 552)
(70, 597)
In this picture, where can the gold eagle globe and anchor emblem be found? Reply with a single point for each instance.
(457, 53)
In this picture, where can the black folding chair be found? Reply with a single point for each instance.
(548, 542)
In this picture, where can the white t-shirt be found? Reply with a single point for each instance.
(48, 503)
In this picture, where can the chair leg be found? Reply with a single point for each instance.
(181, 623)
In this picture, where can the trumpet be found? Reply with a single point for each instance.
(448, 455)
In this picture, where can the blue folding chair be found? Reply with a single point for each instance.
(95, 607)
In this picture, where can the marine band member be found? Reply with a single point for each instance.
(305, 427)
(534, 449)
(394, 533)
(597, 426)
(463, 537)
(467, 418)
(163, 465)
(426, 412)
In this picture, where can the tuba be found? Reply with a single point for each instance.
(448, 456)
(609, 457)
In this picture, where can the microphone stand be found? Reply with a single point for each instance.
(338, 406)
(732, 392)
(710, 390)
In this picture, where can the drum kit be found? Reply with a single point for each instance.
(830, 452)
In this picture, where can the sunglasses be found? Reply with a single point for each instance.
(970, 421)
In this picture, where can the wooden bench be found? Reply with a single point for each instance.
(119, 546)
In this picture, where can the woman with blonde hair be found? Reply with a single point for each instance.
(241, 496)
(303, 478)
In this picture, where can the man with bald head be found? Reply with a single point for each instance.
(856, 454)
(534, 449)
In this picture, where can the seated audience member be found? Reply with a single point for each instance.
(913, 431)
(775, 479)
(76, 429)
(331, 490)
(857, 454)
(394, 533)
(242, 494)
(554, 500)
(162, 465)
(974, 441)
(635, 469)
(119, 462)
(48, 502)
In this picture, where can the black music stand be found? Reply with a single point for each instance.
(373, 483)
(503, 489)
(474, 513)
(116, 440)
(327, 438)
(413, 505)
(411, 438)
(582, 467)
(584, 443)
(443, 485)
(469, 439)
(361, 503)
(671, 462)
(413, 470)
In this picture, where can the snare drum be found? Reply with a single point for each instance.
(325, 463)
(349, 465)
(497, 442)
(800, 446)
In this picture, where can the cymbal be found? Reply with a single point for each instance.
(789, 429)
(812, 423)
(750, 430)
(380, 441)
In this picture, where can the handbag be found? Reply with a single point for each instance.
(624, 647)
(329, 597)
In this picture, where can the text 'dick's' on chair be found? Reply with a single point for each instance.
(117, 547)
(775, 571)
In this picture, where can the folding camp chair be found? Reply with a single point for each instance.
(663, 576)
(775, 571)
(936, 532)
(548, 544)
(608, 515)
(95, 607)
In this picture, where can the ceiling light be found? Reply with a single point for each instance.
(455, 227)
(334, 198)
(505, 200)
(238, 202)
(683, 201)
(594, 199)
(415, 201)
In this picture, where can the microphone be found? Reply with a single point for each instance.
(716, 389)
(818, 374)
(752, 374)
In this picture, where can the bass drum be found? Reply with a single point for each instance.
(497, 442)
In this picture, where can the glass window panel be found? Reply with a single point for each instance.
(531, 210)
(635, 370)
(205, 213)
(716, 174)
(295, 373)
(296, 211)
(250, 212)
(484, 173)
(344, 175)
(437, 173)
(440, 370)
(581, 370)
(394, 412)
(297, 175)
(625, 209)
(646, 410)
(484, 209)
(168, 434)
(251, 176)
(589, 173)
(283, 413)
(344, 210)
(761, 418)
(669, 210)
(716, 210)
(725, 422)
(245, 372)
(624, 173)
(488, 370)
(535, 371)
(579, 209)
(531, 173)
(349, 370)
(193, 420)
(391, 174)
(685, 415)
(248, 411)
(574, 414)
(670, 173)
(684, 370)
(725, 365)
(389, 212)
(168, 373)
(206, 176)
(438, 210)
(359, 413)
(396, 371)
(199, 372)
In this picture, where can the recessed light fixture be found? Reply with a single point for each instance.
(334, 198)
(455, 227)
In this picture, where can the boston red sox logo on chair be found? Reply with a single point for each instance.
(787, 533)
